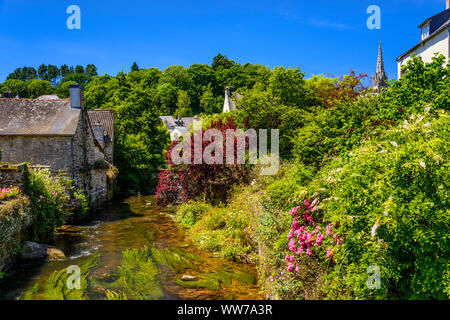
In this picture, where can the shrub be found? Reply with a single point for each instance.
(9, 193)
(226, 230)
(189, 213)
(422, 84)
(48, 198)
(189, 181)
(387, 202)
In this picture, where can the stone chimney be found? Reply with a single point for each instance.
(76, 96)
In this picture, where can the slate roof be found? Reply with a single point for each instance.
(104, 117)
(172, 122)
(169, 121)
(22, 117)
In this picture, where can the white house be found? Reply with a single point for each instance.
(435, 37)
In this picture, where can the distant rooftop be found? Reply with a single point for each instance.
(49, 97)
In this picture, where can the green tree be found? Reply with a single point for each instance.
(79, 69)
(39, 87)
(134, 67)
(183, 104)
(81, 78)
(209, 103)
(201, 76)
(64, 70)
(221, 62)
(42, 72)
(17, 87)
(98, 92)
(141, 139)
(16, 75)
(53, 74)
(166, 95)
(91, 70)
(177, 76)
(62, 90)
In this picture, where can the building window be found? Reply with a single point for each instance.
(425, 31)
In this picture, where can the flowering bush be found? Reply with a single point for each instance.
(49, 198)
(189, 181)
(388, 200)
(306, 236)
(10, 193)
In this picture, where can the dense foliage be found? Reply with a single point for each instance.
(365, 195)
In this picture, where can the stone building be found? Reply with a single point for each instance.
(63, 135)
(435, 38)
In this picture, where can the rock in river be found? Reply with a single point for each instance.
(37, 251)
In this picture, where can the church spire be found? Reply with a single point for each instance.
(380, 78)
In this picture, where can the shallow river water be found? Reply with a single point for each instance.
(122, 226)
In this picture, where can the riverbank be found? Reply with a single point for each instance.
(33, 202)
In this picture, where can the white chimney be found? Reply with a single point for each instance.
(76, 96)
(447, 4)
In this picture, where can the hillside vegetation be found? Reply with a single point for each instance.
(360, 206)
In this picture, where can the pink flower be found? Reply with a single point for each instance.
(307, 204)
(292, 246)
(290, 234)
(319, 239)
(290, 267)
(297, 269)
(329, 253)
(295, 224)
(329, 229)
(293, 211)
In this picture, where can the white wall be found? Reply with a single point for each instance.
(439, 43)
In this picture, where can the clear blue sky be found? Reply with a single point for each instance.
(320, 36)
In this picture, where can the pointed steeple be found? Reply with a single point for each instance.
(380, 78)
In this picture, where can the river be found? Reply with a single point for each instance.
(133, 223)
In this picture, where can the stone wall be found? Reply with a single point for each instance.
(55, 152)
(86, 154)
(98, 188)
(12, 175)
